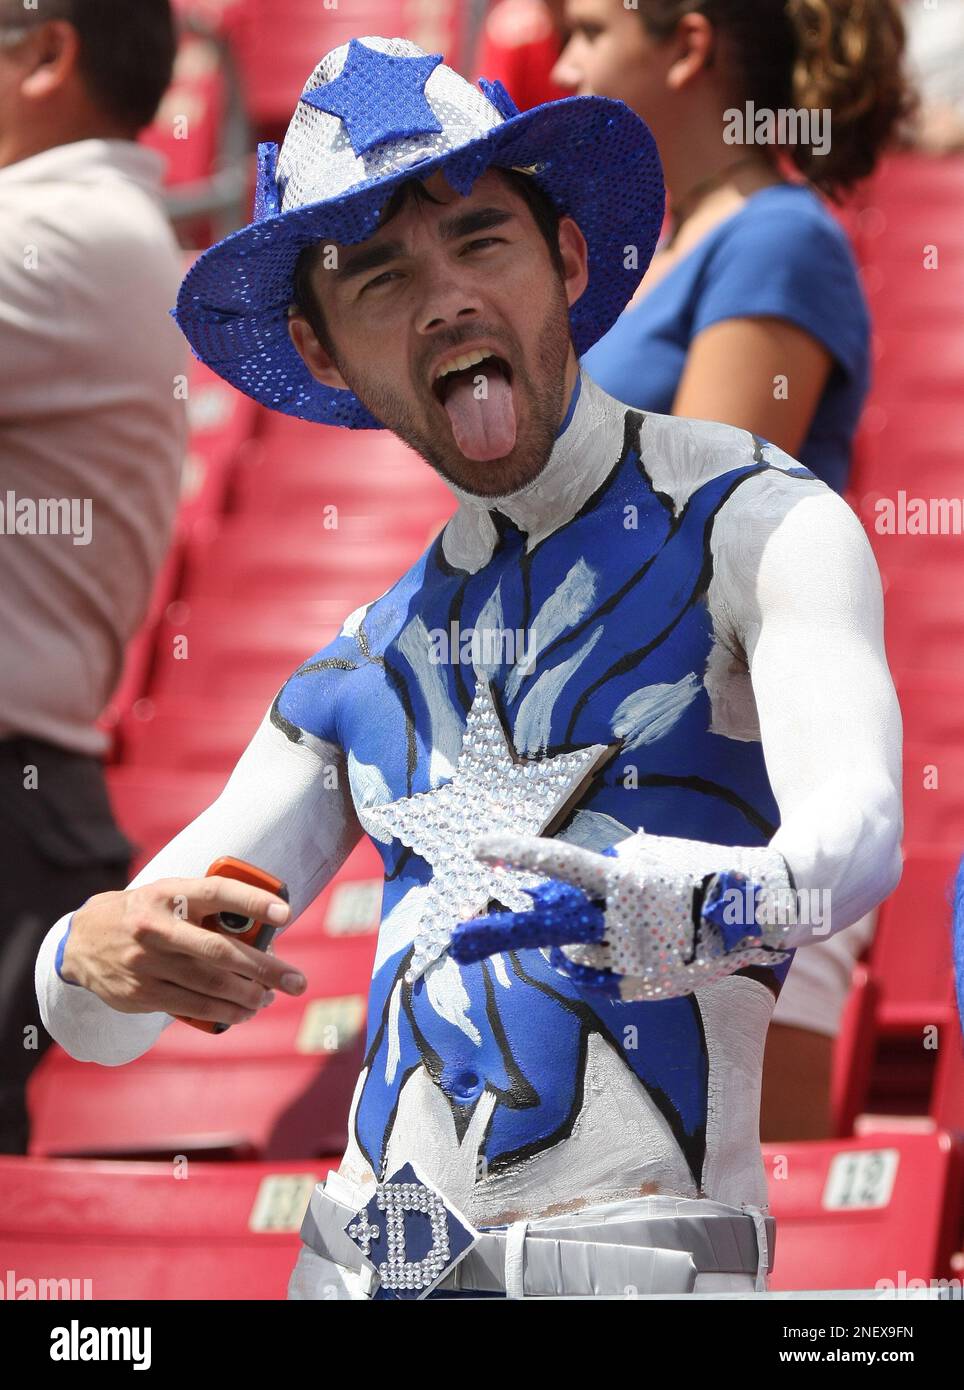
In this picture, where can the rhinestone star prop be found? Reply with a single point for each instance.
(492, 789)
(378, 96)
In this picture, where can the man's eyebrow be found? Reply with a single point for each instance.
(479, 220)
(450, 229)
(369, 259)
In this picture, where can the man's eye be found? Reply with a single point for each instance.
(382, 279)
(485, 241)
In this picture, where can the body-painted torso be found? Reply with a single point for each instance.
(511, 1086)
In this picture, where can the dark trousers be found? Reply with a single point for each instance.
(59, 845)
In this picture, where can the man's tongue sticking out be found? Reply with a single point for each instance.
(483, 428)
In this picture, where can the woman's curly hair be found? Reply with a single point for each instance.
(841, 56)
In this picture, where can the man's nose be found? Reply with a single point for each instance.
(445, 303)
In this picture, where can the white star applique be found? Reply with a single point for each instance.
(492, 789)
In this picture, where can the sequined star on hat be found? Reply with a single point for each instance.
(492, 789)
(379, 96)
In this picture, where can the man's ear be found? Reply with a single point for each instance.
(54, 57)
(575, 258)
(316, 359)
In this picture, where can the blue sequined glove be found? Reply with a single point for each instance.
(561, 914)
(653, 917)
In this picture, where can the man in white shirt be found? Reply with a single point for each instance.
(91, 446)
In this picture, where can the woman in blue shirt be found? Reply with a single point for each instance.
(751, 312)
(780, 257)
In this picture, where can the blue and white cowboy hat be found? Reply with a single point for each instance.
(374, 113)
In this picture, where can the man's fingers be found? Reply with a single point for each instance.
(212, 950)
(192, 899)
(173, 998)
(213, 981)
(553, 858)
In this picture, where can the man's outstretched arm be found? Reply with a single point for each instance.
(138, 956)
(828, 711)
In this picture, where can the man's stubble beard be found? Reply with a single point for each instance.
(544, 402)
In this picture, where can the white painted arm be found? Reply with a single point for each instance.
(283, 810)
(796, 574)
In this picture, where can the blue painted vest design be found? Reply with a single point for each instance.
(646, 624)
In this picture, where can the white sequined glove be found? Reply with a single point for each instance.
(675, 914)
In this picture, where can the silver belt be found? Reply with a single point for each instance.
(582, 1254)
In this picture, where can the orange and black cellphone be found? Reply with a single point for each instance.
(246, 929)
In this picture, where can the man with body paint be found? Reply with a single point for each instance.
(560, 1092)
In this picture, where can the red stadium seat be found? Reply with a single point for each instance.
(138, 658)
(243, 556)
(147, 1231)
(152, 805)
(947, 1101)
(903, 373)
(205, 653)
(187, 125)
(222, 424)
(218, 415)
(351, 904)
(409, 494)
(929, 467)
(917, 523)
(280, 41)
(201, 130)
(924, 617)
(932, 704)
(906, 181)
(933, 795)
(302, 446)
(138, 655)
(909, 297)
(288, 442)
(188, 734)
(851, 1213)
(897, 239)
(204, 486)
(279, 1086)
(911, 953)
(898, 446)
(221, 420)
(853, 1053)
(902, 1082)
(402, 526)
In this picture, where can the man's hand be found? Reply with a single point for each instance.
(143, 950)
(654, 917)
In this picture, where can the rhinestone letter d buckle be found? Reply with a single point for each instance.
(409, 1235)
